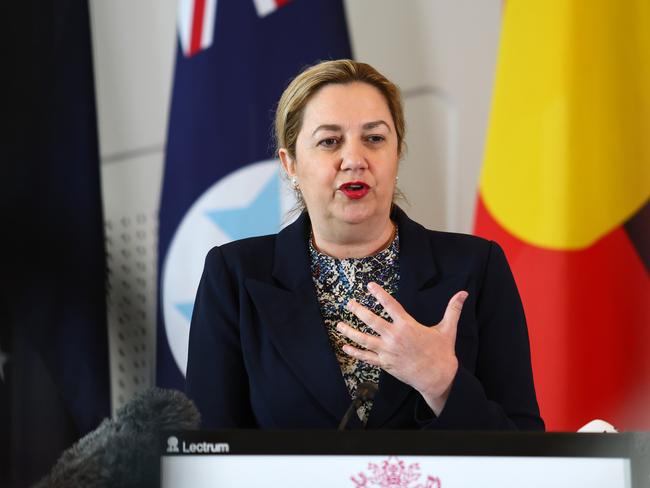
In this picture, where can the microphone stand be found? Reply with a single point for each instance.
(365, 391)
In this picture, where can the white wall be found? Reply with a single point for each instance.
(441, 53)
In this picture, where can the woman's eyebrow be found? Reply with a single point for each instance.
(337, 128)
(374, 124)
(329, 127)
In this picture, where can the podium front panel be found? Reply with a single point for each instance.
(396, 459)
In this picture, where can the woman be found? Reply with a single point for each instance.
(286, 327)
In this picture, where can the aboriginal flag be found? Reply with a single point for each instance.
(565, 190)
(221, 181)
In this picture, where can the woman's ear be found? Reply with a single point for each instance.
(288, 163)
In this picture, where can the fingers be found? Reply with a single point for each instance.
(366, 356)
(452, 313)
(369, 342)
(365, 340)
(392, 306)
(374, 321)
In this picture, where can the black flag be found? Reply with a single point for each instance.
(54, 379)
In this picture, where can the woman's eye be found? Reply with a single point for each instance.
(329, 142)
(376, 138)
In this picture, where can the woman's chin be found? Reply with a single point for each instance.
(356, 214)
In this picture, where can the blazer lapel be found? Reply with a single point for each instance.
(422, 295)
(291, 315)
(290, 312)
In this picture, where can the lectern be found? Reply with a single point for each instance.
(402, 459)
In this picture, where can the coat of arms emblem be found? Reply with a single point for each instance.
(394, 473)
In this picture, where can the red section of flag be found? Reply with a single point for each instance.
(589, 321)
(197, 26)
(281, 3)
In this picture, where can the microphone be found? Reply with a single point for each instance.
(365, 391)
(125, 451)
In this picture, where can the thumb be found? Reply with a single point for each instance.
(449, 322)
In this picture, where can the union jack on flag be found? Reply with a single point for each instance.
(196, 21)
(266, 7)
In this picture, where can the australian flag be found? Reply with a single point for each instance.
(222, 180)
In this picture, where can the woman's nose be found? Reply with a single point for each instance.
(354, 157)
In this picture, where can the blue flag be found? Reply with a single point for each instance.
(222, 181)
(54, 373)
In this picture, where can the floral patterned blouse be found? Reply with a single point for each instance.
(339, 280)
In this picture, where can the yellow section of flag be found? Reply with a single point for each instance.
(568, 150)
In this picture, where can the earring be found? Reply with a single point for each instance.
(294, 182)
(397, 178)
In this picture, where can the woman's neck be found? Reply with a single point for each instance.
(353, 240)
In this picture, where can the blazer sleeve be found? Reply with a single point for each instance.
(216, 377)
(500, 394)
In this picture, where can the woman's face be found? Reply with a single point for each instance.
(346, 155)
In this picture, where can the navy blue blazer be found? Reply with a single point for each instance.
(259, 354)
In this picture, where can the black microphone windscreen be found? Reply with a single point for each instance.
(124, 451)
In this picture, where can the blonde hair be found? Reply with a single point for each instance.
(289, 113)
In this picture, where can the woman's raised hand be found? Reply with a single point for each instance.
(420, 356)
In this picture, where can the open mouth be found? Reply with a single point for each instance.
(354, 189)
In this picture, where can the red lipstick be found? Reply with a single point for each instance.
(354, 189)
